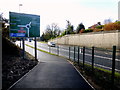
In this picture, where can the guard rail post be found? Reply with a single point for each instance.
(113, 67)
(69, 52)
(23, 45)
(74, 53)
(83, 56)
(78, 54)
(58, 50)
(92, 58)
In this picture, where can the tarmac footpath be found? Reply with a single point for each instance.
(51, 72)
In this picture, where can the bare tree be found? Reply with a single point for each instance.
(52, 31)
(106, 21)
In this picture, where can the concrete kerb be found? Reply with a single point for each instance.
(81, 75)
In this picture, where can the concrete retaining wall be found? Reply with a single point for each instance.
(104, 39)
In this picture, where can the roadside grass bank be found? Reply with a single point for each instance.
(100, 78)
(13, 64)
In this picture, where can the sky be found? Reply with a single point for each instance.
(88, 12)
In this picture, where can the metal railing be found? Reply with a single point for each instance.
(94, 57)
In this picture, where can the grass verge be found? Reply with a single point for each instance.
(102, 69)
(41, 50)
(42, 42)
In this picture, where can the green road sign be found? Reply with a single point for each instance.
(24, 25)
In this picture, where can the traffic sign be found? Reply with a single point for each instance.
(24, 25)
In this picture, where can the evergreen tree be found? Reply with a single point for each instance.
(70, 28)
(5, 26)
(80, 27)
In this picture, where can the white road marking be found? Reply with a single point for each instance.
(94, 55)
(87, 55)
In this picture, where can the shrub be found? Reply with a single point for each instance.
(112, 26)
(88, 30)
(99, 27)
(117, 22)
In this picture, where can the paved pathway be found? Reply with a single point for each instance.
(52, 72)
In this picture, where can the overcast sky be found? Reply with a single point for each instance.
(88, 12)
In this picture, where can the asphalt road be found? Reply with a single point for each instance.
(103, 58)
(51, 72)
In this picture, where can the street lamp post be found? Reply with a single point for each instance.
(19, 7)
(19, 12)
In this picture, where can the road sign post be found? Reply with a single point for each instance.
(20, 42)
(23, 45)
(35, 49)
(25, 25)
